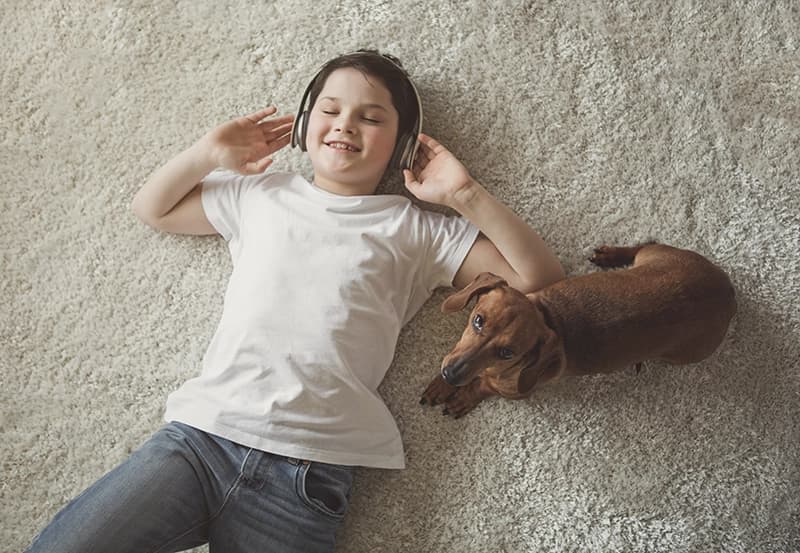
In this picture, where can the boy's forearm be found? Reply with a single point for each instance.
(521, 246)
(169, 184)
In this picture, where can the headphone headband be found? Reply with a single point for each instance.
(406, 147)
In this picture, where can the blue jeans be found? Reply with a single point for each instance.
(184, 488)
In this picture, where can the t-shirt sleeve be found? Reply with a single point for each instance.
(451, 238)
(221, 196)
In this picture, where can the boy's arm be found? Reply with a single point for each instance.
(509, 247)
(170, 199)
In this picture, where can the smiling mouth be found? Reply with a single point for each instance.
(342, 146)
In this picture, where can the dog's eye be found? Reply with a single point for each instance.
(477, 323)
(506, 353)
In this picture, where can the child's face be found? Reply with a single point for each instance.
(352, 131)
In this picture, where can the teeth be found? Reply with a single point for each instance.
(340, 146)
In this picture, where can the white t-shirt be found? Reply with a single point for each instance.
(320, 288)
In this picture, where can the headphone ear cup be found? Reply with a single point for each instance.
(295, 140)
(400, 155)
(304, 131)
(299, 131)
(409, 148)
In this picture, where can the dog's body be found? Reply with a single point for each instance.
(673, 305)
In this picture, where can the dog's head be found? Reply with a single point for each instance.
(507, 341)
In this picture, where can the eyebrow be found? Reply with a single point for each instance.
(379, 106)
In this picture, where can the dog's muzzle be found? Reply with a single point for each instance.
(456, 373)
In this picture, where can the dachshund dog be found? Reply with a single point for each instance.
(673, 305)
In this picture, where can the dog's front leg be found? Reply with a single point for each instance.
(467, 398)
(458, 400)
(438, 391)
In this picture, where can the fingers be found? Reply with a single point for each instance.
(278, 143)
(428, 149)
(424, 151)
(430, 145)
(261, 114)
(420, 162)
(260, 153)
(271, 124)
(276, 132)
(271, 128)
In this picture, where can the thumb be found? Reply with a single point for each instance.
(411, 181)
(257, 167)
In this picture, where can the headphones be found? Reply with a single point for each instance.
(405, 149)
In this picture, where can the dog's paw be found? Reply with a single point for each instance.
(613, 256)
(603, 256)
(461, 403)
(458, 401)
(438, 391)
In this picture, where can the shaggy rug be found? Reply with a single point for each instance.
(598, 122)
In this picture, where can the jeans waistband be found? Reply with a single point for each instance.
(295, 461)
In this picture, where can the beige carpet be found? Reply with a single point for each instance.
(598, 122)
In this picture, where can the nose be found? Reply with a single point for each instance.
(346, 129)
(344, 123)
(455, 372)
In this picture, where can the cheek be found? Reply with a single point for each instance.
(314, 127)
(383, 140)
(314, 133)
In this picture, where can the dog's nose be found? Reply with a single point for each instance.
(454, 372)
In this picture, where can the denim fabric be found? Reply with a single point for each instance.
(184, 488)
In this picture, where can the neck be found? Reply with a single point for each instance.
(345, 189)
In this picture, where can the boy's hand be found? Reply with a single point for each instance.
(245, 143)
(438, 176)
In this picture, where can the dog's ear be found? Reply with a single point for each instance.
(545, 363)
(480, 284)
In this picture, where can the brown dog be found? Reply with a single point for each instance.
(673, 305)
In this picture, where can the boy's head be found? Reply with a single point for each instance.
(363, 116)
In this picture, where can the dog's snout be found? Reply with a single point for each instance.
(455, 372)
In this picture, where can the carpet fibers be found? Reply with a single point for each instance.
(597, 122)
